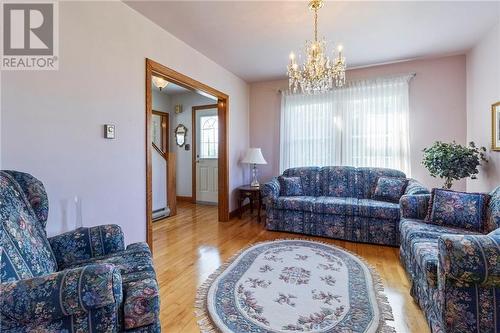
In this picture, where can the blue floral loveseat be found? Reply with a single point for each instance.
(453, 261)
(339, 202)
(81, 281)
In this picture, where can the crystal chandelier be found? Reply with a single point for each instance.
(319, 73)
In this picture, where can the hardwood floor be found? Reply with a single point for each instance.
(191, 245)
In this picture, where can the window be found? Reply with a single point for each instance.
(363, 124)
(209, 139)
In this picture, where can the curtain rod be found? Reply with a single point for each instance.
(410, 75)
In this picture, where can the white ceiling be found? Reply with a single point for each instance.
(252, 39)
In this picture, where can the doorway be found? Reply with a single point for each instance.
(162, 204)
(156, 70)
(205, 154)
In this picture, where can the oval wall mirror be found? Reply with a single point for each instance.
(180, 135)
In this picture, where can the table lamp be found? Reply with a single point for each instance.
(254, 156)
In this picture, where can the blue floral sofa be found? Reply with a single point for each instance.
(81, 281)
(454, 270)
(337, 202)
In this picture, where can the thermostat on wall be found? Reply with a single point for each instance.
(109, 131)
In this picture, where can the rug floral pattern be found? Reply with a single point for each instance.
(294, 286)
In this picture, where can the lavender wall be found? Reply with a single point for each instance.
(437, 110)
(52, 121)
(483, 90)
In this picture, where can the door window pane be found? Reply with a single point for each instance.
(209, 137)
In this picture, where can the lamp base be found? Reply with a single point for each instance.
(255, 182)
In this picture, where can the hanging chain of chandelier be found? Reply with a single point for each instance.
(319, 73)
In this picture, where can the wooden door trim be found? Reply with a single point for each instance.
(194, 145)
(222, 112)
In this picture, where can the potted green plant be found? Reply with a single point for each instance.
(452, 161)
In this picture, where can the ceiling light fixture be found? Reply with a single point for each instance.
(159, 82)
(318, 73)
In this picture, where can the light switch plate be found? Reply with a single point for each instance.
(109, 131)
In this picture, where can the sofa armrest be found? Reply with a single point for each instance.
(414, 206)
(414, 187)
(86, 243)
(271, 189)
(50, 297)
(466, 260)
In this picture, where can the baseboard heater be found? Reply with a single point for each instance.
(161, 213)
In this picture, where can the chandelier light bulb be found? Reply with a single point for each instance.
(292, 56)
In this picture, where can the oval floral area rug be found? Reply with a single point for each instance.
(293, 286)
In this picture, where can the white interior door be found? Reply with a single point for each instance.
(207, 132)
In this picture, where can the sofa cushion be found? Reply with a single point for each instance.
(390, 189)
(335, 205)
(304, 203)
(338, 181)
(366, 180)
(378, 209)
(458, 209)
(26, 250)
(309, 178)
(419, 242)
(290, 186)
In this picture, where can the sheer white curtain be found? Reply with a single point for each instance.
(362, 124)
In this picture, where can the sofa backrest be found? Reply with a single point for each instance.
(493, 211)
(35, 192)
(340, 181)
(415, 188)
(26, 249)
(309, 177)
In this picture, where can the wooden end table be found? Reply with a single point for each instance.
(252, 193)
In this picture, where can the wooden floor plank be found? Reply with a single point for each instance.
(193, 244)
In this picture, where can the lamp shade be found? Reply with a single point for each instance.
(254, 156)
(159, 82)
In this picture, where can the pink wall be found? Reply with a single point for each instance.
(437, 110)
(483, 90)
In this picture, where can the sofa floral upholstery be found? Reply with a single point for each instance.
(84, 280)
(337, 202)
(454, 272)
(470, 215)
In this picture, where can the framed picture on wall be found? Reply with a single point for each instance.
(495, 124)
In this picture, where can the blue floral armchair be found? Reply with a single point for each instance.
(81, 281)
(454, 272)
